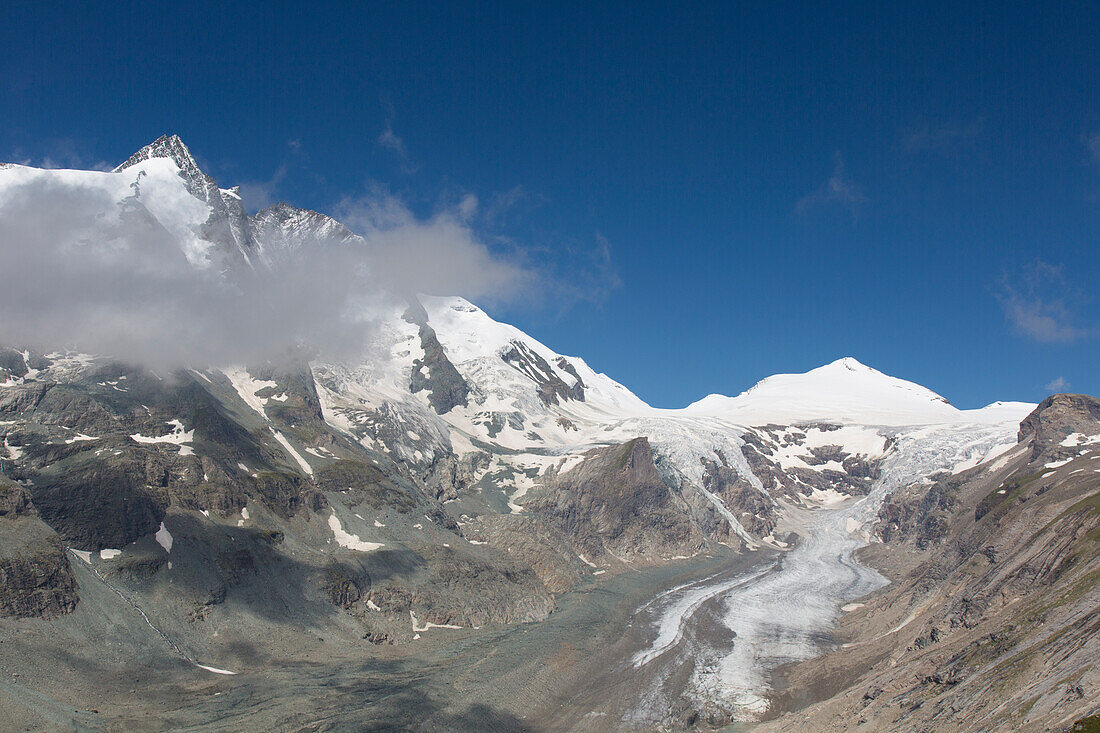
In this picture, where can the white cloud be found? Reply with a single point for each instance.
(438, 255)
(1036, 301)
(389, 140)
(467, 207)
(838, 189)
(1058, 384)
(1092, 142)
(79, 270)
(261, 194)
(942, 137)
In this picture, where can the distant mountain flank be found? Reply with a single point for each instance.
(848, 391)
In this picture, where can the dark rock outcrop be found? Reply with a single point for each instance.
(551, 387)
(918, 515)
(1058, 416)
(751, 507)
(35, 577)
(615, 502)
(101, 504)
(435, 372)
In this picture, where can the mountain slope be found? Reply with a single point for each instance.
(227, 224)
(848, 392)
(991, 620)
(452, 477)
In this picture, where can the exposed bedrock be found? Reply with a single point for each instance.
(35, 578)
(615, 502)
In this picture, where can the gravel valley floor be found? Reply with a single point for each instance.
(555, 674)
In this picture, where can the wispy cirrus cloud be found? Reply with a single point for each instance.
(1058, 384)
(939, 138)
(838, 190)
(515, 203)
(1092, 143)
(390, 141)
(1040, 304)
(261, 194)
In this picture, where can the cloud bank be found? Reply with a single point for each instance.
(437, 255)
(84, 268)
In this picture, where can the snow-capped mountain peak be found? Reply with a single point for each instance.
(166, 146)
(264, 239)
(484, 347)
(228, 225)
(476, 417)
(844, 390)
(851, 364)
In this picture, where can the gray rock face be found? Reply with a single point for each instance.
(228, 224)
(11, 361)
(760, 447)
(615, 502)
(545, 548)
(282, 229)
(14, 500)
(576, 392)
(464, 590)
(922, 517)
(447, 475)
(18, 364)
(35, 578)
(752, 509)
(435, 372)
(1059, 415)
(551, 387)
(105, 505)
(298, 406)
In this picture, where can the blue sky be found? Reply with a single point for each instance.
(709, 194)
